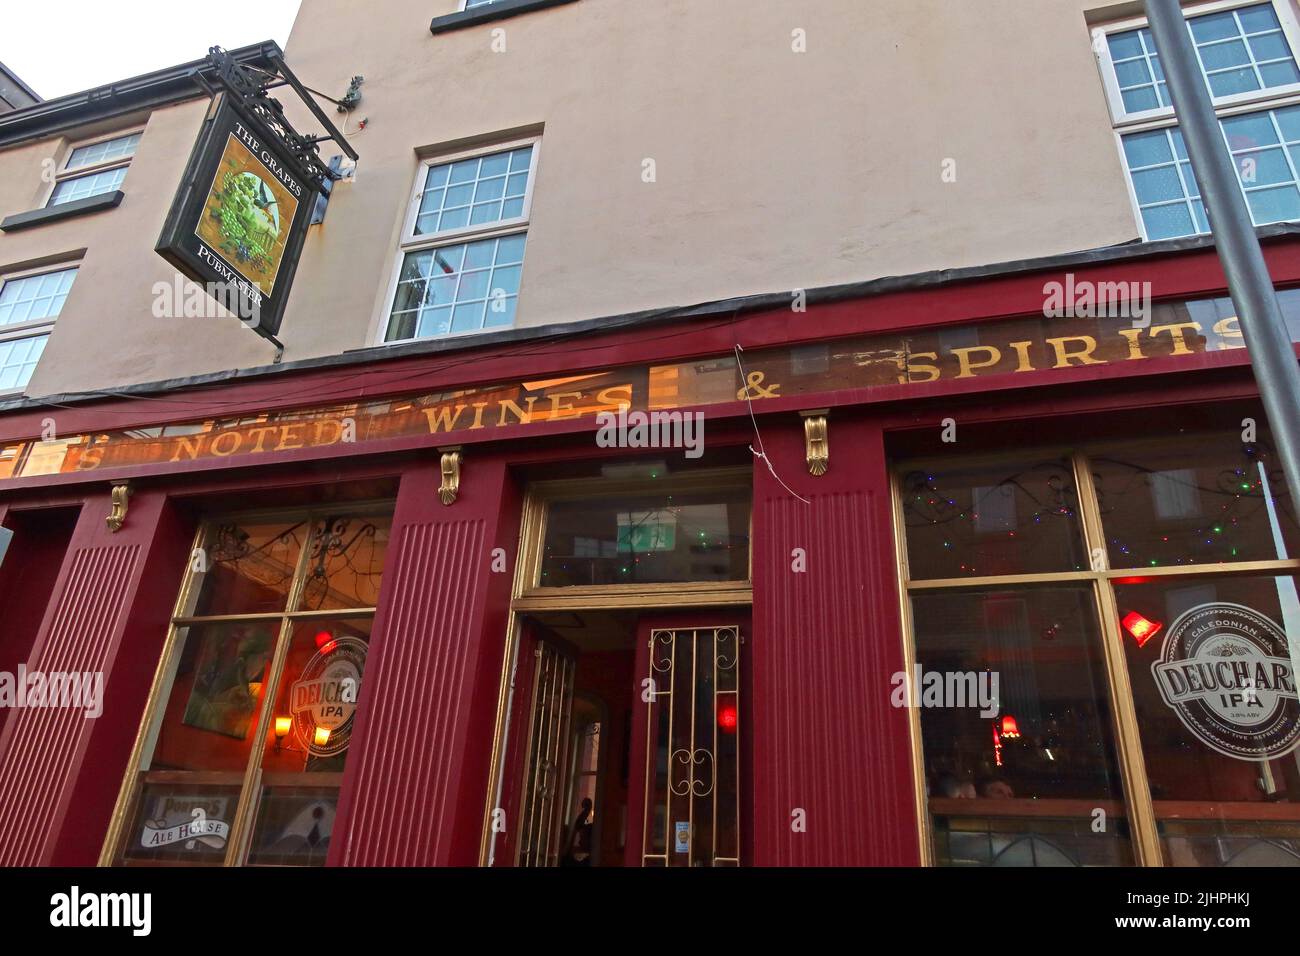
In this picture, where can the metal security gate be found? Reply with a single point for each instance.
(546, 766)
(692, 799)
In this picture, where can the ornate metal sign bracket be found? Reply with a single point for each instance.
(251, 85)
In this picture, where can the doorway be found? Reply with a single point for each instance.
(624, 743)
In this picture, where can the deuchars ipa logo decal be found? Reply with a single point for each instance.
(324, 699)
(1226, 671)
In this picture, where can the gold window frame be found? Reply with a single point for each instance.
(531, 596)
(241, 827)
(1136, 796)
(527, 596)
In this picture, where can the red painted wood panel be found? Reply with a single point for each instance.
(27, 580)
(415, 784)
(826, 644)
(59, 771)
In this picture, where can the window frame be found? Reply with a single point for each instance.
(33, 327)
(409, 242)
(1103, 577)
(1168, 122)
(244, 819)
(1126, 124)
(64, 174)
(1110, 82)
(532, 595)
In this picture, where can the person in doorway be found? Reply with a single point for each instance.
(577, 850)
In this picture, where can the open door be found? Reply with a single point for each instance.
(626, 740)
(692, 725)
(546, 764)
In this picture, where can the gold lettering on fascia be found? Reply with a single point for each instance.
(1009, 347)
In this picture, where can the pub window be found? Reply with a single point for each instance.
(243, 747)
(1102, 652)
(1244, 49)
(462, 253)
(691, 527)
(94, 168)
(1247, 56)
(29, 304)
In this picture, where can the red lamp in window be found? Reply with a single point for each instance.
(325, 642)
(1141, 629)
(1010, 729)
(728, 718)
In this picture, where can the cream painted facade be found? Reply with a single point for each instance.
(775, 170)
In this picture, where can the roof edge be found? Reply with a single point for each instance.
(172, 84)
(21, 84)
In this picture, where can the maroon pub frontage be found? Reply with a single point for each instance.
(414, 606)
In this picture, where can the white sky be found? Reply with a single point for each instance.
(72, 45)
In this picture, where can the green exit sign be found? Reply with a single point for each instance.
(642, 531)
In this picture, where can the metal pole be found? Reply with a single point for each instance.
(1262, 326)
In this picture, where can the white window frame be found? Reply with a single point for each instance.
(34, 327)
(64, 174)
(1168, 123)
(1101, 49)
(1256, 101)
(409, 242)
(465, 5)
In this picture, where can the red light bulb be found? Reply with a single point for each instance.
(1141, 629)
(728, 718)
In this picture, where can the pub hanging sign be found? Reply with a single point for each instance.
(239, 220)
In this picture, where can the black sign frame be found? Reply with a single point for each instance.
(220, 271)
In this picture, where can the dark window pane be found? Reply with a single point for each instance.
(307, 740)
(1193, 499)
(977, 520)
(191, 781)
(1017, 781)
(1213, 676)
(345, 562)
(648, 538)
(313, 709)
(214, 697)
(294, 825)
(249, 567)
(182, 822)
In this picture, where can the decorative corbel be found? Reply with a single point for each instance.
(816, 442)
(451, 460)
(117, 512)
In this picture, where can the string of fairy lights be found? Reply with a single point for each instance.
(628, 553)
(1236, 497)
